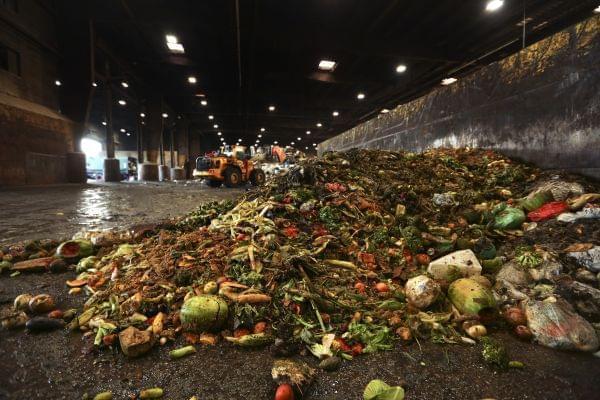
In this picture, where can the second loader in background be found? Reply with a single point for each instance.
(231, 166)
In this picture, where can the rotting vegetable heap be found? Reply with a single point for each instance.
(348, 253)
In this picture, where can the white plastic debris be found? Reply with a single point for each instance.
(460, 264)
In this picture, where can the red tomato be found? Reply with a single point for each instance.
(284, 392)
(360, 287)
(260, 327)
(423, 259)
(340, 344)
(357, 349)
(382, 287)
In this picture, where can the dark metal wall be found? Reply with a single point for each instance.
(541, 105)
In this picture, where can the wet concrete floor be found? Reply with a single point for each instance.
(63, 365)
(62, 210)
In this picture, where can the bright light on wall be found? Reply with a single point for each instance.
(494, 5)
(91, 147)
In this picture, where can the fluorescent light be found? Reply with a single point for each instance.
(165, 115)
(299, 139)
(308, 132)
(219, 133)
(292, 143)
(142, 115)
(448, 81)
(305, 147)
(314, 144)
(335, 113)
(319, 124)
(597, 10)
(327, 65)
(215, 126)
(122, 102)
(211, 117)
(104, 123)
(257, 141)
(176, 48)
(128, 134)
(123, 130)
(125, 84)
(192, 79)
(262, 129)
(172, 39)
(222, 140)
(94, 84)
(360, 96)
(494, 5)
(57, 82)
(385, 111)
(271, 108)
(259, 135)
(204, 102)
(275, 142)
(401, 68)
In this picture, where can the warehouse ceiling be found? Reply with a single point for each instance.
(250, 55)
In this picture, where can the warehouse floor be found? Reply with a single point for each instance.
(62, 210)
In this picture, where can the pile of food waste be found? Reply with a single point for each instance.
(344, 255)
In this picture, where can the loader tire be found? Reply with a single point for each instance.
(257, 177)
(233, 177)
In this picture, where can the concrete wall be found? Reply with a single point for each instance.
(34, 137)
(541, 105)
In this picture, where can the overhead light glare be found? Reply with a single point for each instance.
(308, 132)
(271, 108)
(176, 48)
(204, 102)
(360, 96)
(192, 80)
(448, 81)
(165, 115)
(171, 39)
(327, 65)
(215, 126)
(385, 111)
(259, 135)
(494, 5)
(122, 130)
(597, 10)
(319, 124)
(142, 115)
(104, 123)
(122, 102)
(94, 84)
(211, 117)
(299, 139)
(125, 84)
(401, 68)
(128, 134)
(218, 133)
(275, 142)
(57, 82)
(262, 129)
(292, 143)
(314, 144)
(335, 113)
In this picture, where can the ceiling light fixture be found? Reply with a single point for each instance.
(259, 135)
(104, 123)
(319, 124)
(384, 111)
(308, 132)
(262, 129)
(448, 81)
(275, 142)
(271, 108)
(299, 139)
(128, 134)
(94, 84)
(314, 144)
(327, 65)
(165, 115)
(401, 68)
(215, 126)
(171, 39)
(204, 102)
(335, 113)
(192, 80)
(597, 10)
(360, 96)
(176, 48)
(142, 115)
(123, 130)
(125, 84)
(211, 117)
(122, 102)
(292, 143)
(57, 82)
(222, 140)
(494, 5)
(219, 133)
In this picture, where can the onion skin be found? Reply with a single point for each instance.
(284, 392)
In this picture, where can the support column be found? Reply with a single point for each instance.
(150, 141)
(112, 171)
